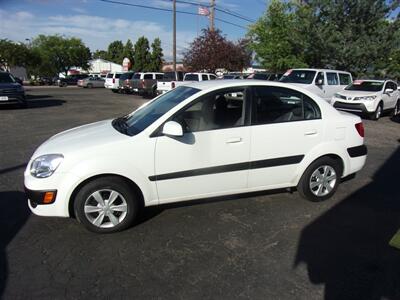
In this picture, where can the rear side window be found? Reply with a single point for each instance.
(332, 78)
(344, 79)
(278, 105)
(204, 77)
(148, 76)
(159, 76)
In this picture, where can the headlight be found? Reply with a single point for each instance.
(336, 95)
(365, 98)
(45, 165)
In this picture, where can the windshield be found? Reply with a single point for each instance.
(126, 76)
(144, 117)
(298, 76)
(6, 78)
(366, 86)
(191, 77)
(169, 76)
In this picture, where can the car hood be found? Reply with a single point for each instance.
(357, 93)
(95, 135)
(9, 85)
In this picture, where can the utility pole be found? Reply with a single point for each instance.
(212, 15)
(174, 36)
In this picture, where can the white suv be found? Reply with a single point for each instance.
(112, 81)
(370, 97)
(322, 82)
(201, 140)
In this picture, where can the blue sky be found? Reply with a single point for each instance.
(98, 23)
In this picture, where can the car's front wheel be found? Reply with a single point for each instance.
(320, 180)
(106, 205)
(378, 113)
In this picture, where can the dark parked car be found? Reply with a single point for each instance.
(11, 90)
(70, 80)
(125, 83)
(265, 76)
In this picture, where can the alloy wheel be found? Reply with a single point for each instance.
(323, 180)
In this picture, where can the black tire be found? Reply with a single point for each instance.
(114, 91)
(396, 109)
(23, 104)
(104, 185)
(89, 86)
(304, 186)
(377, 113)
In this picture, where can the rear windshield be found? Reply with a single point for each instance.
(136, 76)
(298, 76)
(169, 76)
(6, 78)
(191, 77)
(110, 75)
(126, 76)
(260, 76)
(367, 86)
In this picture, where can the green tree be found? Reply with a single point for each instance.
(275, 39)
(129, 51)
(115, 52)
(142, 55)
(156, 57)
(59, 54)
(99, 54)
(211, 51)
(17, 54)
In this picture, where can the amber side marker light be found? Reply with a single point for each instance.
(49, 197)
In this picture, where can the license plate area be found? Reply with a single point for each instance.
(3, 98)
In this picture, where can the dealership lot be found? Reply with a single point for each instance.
(252, 246)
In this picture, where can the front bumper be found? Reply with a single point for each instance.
(354, 107)
(14, 97)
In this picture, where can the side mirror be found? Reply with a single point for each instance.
(172, 128)
(388, 91)
(319, 82)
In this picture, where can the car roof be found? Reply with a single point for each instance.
(373, 80)
(217, 84)
(319, 70)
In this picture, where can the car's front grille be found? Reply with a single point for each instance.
(8, 91)
(342, 97)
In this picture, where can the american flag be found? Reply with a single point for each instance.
(203, 11)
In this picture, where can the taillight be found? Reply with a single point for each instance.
(113, 80)
(360, 129)
(142, 83)
(173, 84)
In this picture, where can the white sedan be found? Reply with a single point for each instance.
(197, 141)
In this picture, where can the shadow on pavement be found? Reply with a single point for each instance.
(13, 214)
(6, 170)
(347, 247)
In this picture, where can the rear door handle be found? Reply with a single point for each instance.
(311, 132)
(234, 140)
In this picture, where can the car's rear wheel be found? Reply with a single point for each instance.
(396, 109)
(320, 180)
(114, 91)
(89, 86)
(106, 205)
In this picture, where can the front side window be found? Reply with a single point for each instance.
(216, 110)
(344, 79)
(6, 78)
(277, 105)
(332, 78)
(145, 116)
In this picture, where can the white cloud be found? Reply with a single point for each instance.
(97, 32)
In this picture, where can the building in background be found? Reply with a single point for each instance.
(97, 67)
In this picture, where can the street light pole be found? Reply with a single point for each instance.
(174, 36)
(212, 15)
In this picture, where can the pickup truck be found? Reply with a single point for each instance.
(168, 81)
(124, 83)
(163, 87)
(145, 84)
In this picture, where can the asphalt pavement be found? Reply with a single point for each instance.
(257, 246)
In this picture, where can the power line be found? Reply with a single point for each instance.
(165, 9)
(234, 15)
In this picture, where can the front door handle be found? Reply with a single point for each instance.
(311, 132)
(234, 140)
